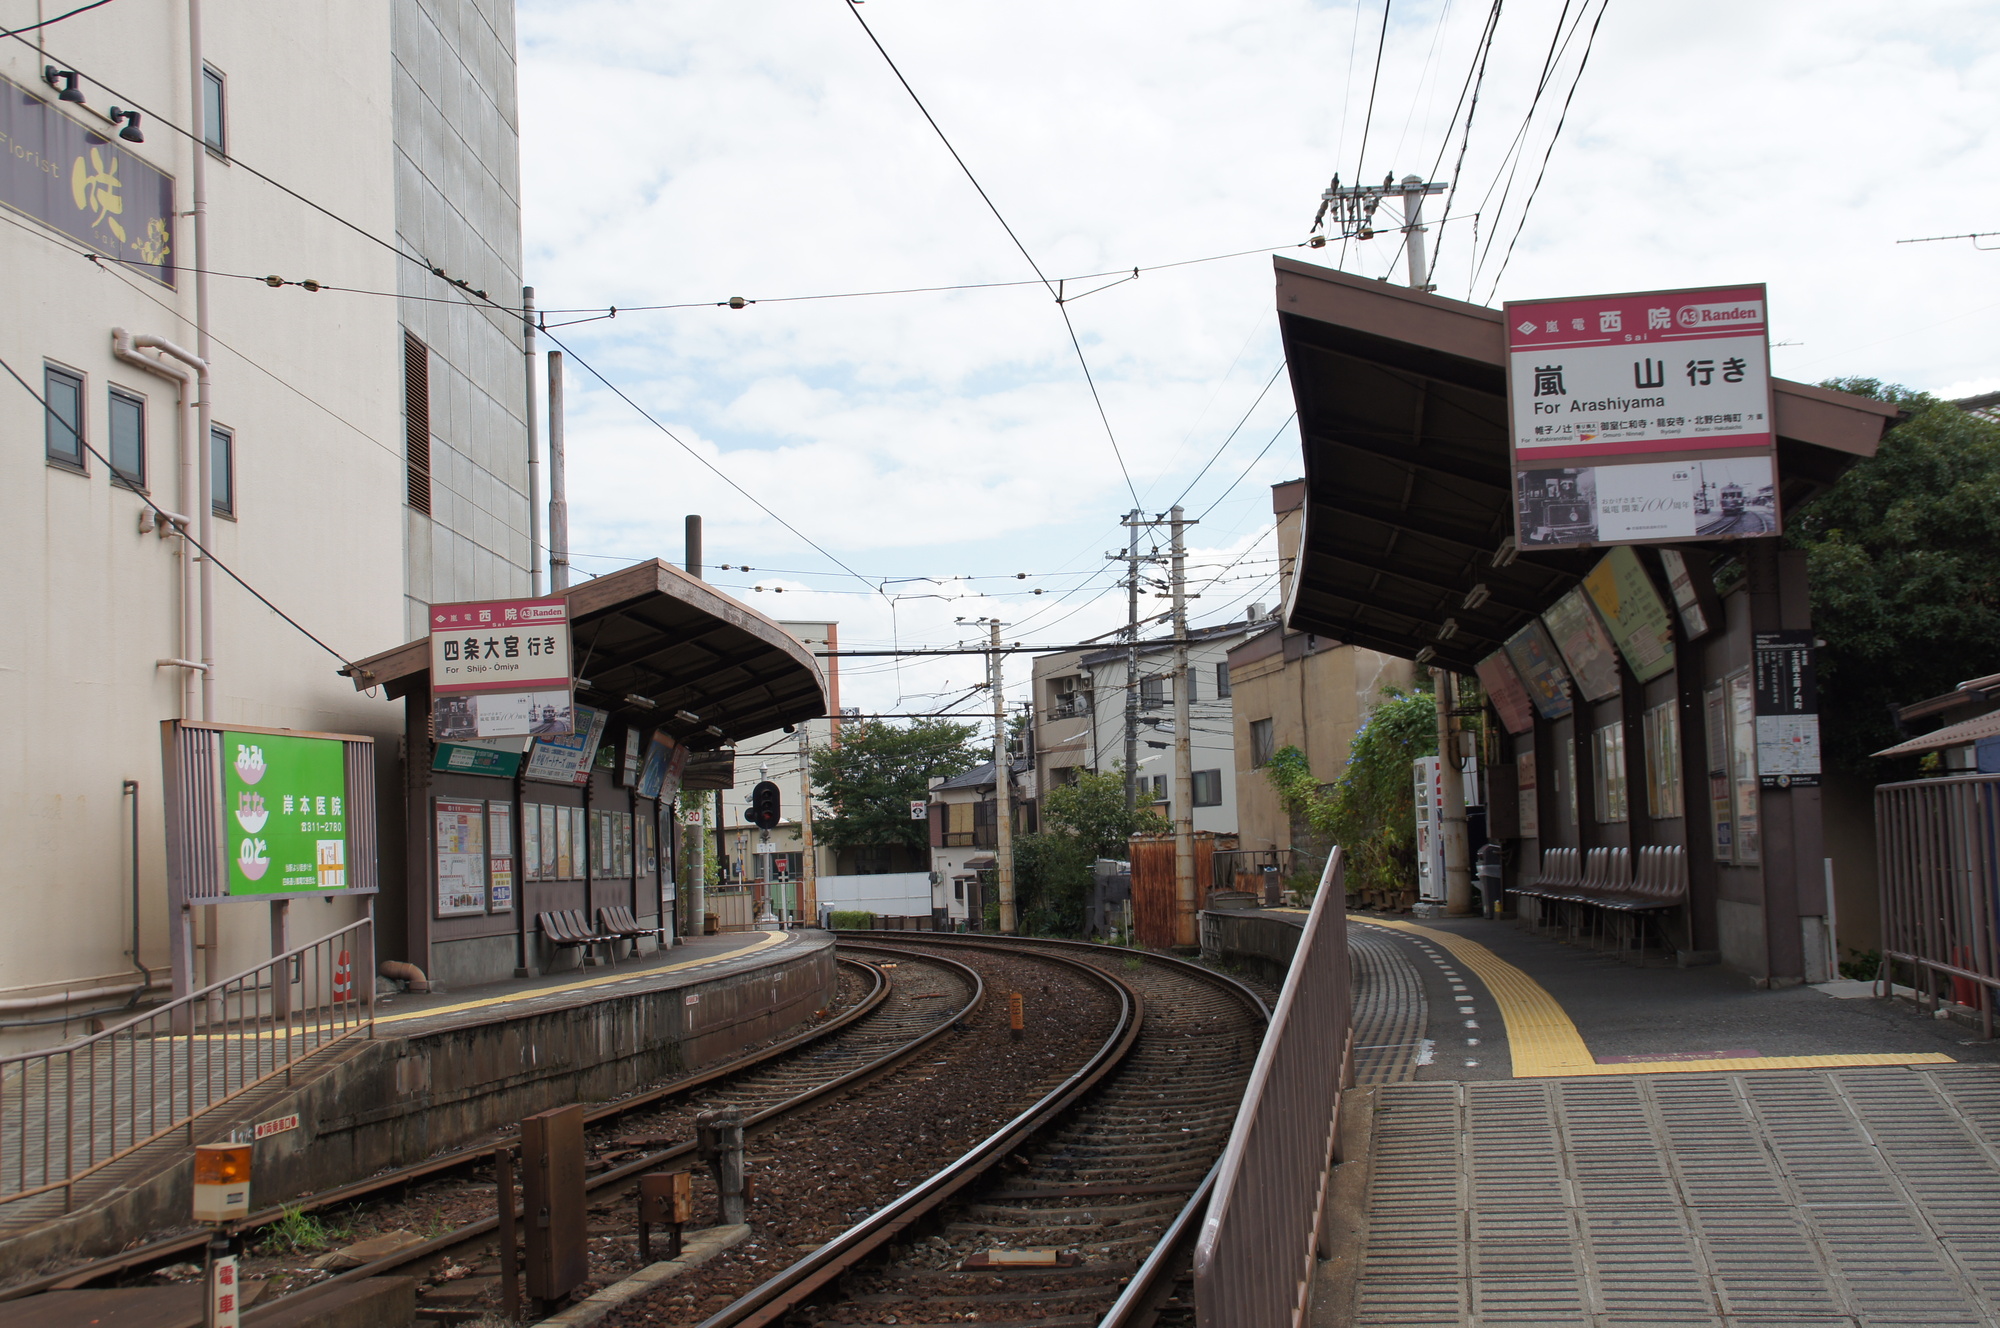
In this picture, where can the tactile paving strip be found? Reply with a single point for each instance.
(1390, 1012)
(1866, 1198)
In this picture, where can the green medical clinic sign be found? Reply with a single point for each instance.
(284, 803)
(84, 184)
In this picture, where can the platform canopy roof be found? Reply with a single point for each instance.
(1402, 403)
(653, 631)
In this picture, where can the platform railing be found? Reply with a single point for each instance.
(67, 1112)
(1253, 1264)
(1938, 860)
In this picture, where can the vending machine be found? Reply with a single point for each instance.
(1429, 781)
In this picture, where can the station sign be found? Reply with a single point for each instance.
(1642, 417)
(501, 669)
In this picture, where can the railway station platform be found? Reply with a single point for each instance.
(442, 1069)
(1545, 1134)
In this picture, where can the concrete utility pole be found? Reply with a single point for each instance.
(534, 450)
(698, 867)
(1414, 190)
(1354, 207)
(1451, 801)
(558, 490)
(808, 870)
(1186, 894)
(1131, 559)
(1003, 789)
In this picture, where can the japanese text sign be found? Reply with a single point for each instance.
(1787, 709)
(500, 668)
(1634, 612)
(1541, 672)
(1503, 688)
(285, 815)
(1641, 417)
(89, 187)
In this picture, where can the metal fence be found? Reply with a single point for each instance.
(1938, 854)
(1253, 1265)
(67, 1112)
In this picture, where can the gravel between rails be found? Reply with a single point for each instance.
(820, 1173)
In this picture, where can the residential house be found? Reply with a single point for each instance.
(965, 832)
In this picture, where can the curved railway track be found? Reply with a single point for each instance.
(1109, 1172)
(890, 1023)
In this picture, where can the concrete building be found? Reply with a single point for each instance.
(1295, 689)
(399, 127)
(1079, 699)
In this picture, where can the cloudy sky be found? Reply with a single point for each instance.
(681, 154)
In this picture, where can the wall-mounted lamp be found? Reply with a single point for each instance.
(643, 702)
(687, 716)
(581, 684)
(714, 731)
(1425, 656)
(1448, 629)
(1477, 596)
(1506, 553)
(65, 78)
(131, 132)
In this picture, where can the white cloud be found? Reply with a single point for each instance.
(677, 152)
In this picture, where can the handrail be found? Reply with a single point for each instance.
(1253, 1262)
(1938, 863)
(69, 1111)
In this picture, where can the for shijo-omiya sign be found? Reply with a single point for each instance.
(500, 669)
(1642, 417)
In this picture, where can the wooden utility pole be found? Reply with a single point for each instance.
(1187, 895)
(1003, 789)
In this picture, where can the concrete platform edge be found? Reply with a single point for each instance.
(697, 1248)
(1335, 1280)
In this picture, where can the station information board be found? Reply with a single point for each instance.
(501, 668)
(1642, 417)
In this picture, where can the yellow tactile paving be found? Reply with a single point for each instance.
(1545, 1042)
(769, 939)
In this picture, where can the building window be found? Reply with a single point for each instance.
(214, 109)
(1155, 692)
(1607, 759)
(1221, 682)
(1194, 693)
(1208, 788)
(959, 824)
(128, 440)
(417, 420)
(62, 425)
(1261, 746)
(222, 469)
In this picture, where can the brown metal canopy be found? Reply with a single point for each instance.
(653, 631)
(1402, 401)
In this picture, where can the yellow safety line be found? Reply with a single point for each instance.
(769, 939)
(1545, 1042)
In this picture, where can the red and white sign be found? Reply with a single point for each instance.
(1642, 417)
(265, 1129)
(1661, 372)
(500, 645)
(225, 1292)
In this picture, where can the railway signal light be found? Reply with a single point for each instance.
(766, 805)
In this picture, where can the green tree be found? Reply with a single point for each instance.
(1904, 552)
(1081, 822)
(866, 783)
(1370, 810)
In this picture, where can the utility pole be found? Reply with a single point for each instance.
(1451, 800)
(534, 450)
(1354, 207)
(698, 867)
(1003, 789)
(808, 902)
(1131, 560)
(558, 490)
(1186, 896)
(1414, 190)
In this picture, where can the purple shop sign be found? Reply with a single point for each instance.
(86, 185)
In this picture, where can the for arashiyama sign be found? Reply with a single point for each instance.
(1642, 417)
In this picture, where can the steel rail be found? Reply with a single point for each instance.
(773, 1298)
(155, 1251)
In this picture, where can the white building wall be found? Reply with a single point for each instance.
(311, 386)
(1213, 724)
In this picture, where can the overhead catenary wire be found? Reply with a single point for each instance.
(51, 22)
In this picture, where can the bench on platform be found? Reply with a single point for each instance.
(569, 929)
(1589, 887)
(616, 920)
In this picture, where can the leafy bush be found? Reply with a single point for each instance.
(852, 920)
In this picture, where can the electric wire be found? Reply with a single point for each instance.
(1232, 435)
(49, 22)
(1381, 43)
(1510, 162)
(162, 514)
(1252, 466)
(1088, 377)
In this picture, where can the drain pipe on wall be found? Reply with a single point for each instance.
(204, 513)
(124, 346)
(145, 974)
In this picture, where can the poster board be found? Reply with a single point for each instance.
(1586, 647)
(500, 856)
(1787, 709)
(1541, 671)
(500, 668)
(1641, 417)
(565, 758)
(460, 854)
(1496, 675)
(1623, 593)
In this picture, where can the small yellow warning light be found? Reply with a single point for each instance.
(221, 1182)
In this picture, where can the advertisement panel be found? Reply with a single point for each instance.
(1787, 709)
(501, 668)
(1496, 675)
(1540, 669)
(1623, 593)
(286, 828)
(461, 858)
(1642, 416)
(565, 758)
(1586, 647)
(665, 761)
